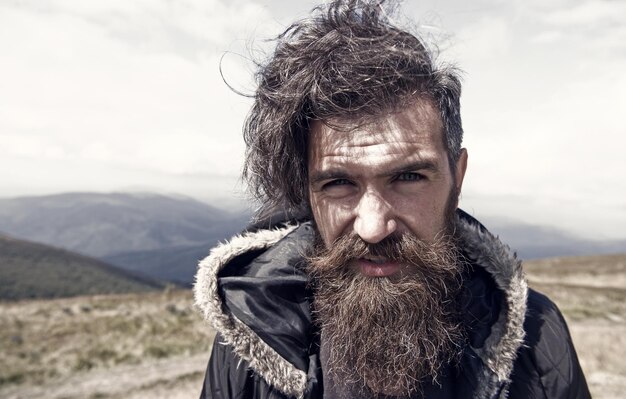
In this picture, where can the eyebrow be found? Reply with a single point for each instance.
(424, 164)
(335, 173)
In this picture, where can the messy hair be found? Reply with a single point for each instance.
(347, 60)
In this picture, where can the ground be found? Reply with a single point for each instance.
(591, 292)
(156, 345)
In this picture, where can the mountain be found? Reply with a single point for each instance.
(105, 224)
(164, 236)
(530, 242)
(177, 265)
(534, 242)
(32, 270)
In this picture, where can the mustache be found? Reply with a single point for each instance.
(398, 247)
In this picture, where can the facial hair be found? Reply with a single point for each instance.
(387, 335)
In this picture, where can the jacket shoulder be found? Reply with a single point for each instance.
(262, 349)
(547, 365)
(230, 377)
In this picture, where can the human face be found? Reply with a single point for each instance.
(390, 176)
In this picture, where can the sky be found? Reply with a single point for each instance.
(123, 95)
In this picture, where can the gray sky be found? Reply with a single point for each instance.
(119, 95)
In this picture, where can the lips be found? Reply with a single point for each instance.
(377, 266)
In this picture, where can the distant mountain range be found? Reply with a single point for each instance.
(145, 233)
(164, 237)
(177, 264)
(535, 242)
(106, 224)
(30, 270)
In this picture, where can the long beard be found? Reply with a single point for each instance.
(387, 335)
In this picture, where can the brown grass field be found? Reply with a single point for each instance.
(156, 345)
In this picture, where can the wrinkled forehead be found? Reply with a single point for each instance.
(419, 121)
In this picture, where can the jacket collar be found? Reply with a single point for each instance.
(481, 247)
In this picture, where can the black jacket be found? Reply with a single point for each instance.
(254, 292)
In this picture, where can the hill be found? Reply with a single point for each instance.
(164, 236)
(132, 225)
(100, 225)
(177, 265)
(539, 242)
(32, 270)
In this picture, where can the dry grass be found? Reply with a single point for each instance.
(156, 345)
(51, 340)
(591, 292)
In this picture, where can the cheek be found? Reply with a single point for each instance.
(331, 219)
(423, 215)
(320, 215)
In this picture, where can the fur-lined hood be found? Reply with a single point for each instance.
(482, 248)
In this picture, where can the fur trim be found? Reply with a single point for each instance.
(507, 334)
(277, 371)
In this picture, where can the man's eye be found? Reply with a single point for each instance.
(409, 176)
(337, 182)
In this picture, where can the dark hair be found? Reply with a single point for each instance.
(347, 60)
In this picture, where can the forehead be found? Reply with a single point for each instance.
(414, 131)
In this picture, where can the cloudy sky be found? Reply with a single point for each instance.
(127, 95)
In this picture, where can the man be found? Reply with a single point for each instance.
(362, 278)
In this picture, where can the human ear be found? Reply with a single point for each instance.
(461, 167)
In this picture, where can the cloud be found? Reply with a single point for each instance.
(591, 25)
(126, 84)
(148, 25)
(591, 13)
(487, 38)
(547, 37)
(541, 105)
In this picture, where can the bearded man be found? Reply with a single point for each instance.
(362, 278)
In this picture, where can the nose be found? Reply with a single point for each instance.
(374, 218)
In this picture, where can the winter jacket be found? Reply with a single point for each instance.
(254, 292)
